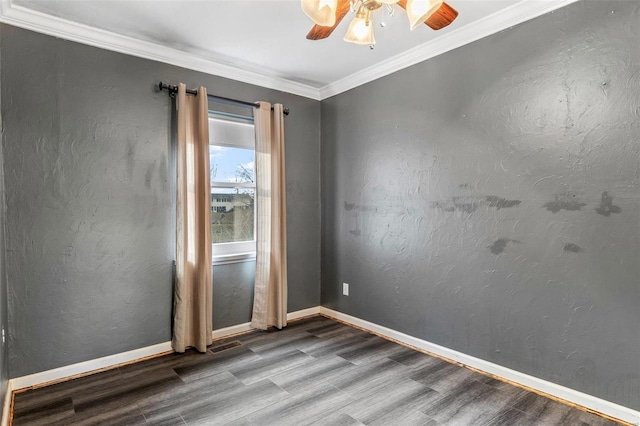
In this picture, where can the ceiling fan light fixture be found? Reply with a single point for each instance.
(419, 11)
(321, 12)
(360, 30)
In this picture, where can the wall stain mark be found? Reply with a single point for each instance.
(355, 232)
(563, 202)
(500, 244)
(130, 159)
(463, 204)
(359, 207)
(149, 175)
(501, 203)
(163, 170)
(470, 204)
(573, 248)
(606, 206)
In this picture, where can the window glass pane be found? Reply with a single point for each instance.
(232, 159)
(231, 133)
(231, 164)
(232, 215)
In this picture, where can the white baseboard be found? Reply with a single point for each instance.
(110, 361)
(229, 331)
(6, 407)
(72, 370)
(243, 328)
(588, 401)
(292, 316)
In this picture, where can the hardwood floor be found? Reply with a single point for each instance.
(315, 372)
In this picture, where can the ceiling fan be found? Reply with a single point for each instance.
(327, 15)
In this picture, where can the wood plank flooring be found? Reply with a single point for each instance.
(315, 372)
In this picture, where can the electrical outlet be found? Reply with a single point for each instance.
(345, 289)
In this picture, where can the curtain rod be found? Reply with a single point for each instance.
(174, 89)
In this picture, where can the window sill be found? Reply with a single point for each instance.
(234, 258)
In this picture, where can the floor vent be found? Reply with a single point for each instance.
(224, 347)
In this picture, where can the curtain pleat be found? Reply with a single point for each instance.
(193, 298)
(270, 294)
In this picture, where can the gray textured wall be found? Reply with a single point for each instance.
(488, 200)
(4, 365)
(88, 191)
(233, 294)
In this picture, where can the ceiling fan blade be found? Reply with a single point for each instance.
(440, 19)
(318, 32)
(443, 17)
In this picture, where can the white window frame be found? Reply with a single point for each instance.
(243, 251)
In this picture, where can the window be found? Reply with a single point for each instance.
(232, 162)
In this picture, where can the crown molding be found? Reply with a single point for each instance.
(496, 22)
(36, 21)
(57, 27)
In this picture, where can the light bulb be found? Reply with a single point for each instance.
(360, 30)
(321, 12)
(419, 11)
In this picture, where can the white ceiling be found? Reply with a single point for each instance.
(263, 41)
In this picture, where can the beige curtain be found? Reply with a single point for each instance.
(192, 302)
(270, 298)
